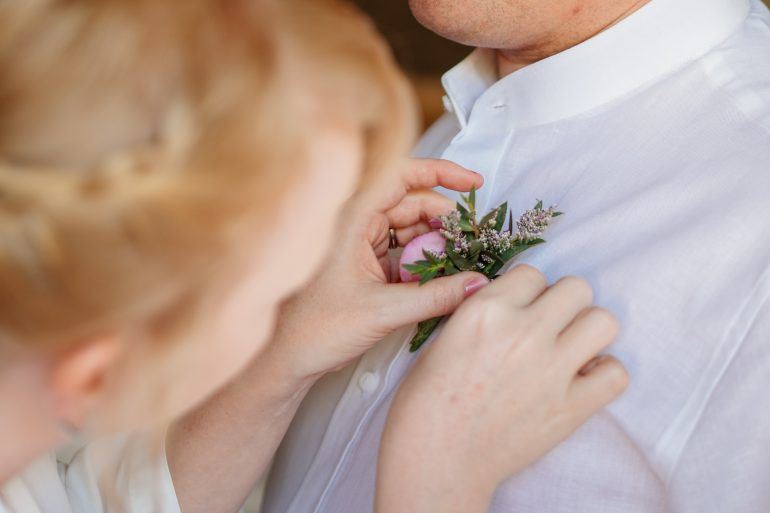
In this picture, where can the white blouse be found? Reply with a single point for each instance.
(119, 474)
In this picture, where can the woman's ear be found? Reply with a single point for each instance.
(79, 378)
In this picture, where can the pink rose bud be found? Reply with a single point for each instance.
(431, 241)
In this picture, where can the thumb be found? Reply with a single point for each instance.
(408, 303)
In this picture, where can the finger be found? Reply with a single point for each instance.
(405, 235)
(562, 302)
(419, 206)
(408, 303)
(430, 173)
(519, 286)
(590, 333)
(596, 389)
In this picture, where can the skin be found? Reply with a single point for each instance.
(523, 31)
(219, 450)
(49, 394)
(526, 337)
(227, 444)
(340, 321)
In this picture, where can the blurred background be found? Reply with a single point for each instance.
(424, 55)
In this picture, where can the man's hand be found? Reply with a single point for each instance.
(512, 374)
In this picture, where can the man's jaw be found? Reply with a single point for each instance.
(512, 60)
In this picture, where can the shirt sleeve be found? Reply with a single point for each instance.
(120, 474)
(725, 464)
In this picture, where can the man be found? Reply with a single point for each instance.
(648, 123)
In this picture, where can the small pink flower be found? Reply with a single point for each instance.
(433, 242)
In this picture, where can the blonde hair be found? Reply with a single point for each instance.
(139, 141)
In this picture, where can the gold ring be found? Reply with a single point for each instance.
(393, 239)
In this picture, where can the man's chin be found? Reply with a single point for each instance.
(464, 24)
(442, 20)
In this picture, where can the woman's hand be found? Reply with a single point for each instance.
(353, 302)
(512, 374)
(229, 441)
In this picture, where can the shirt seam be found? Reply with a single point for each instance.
(761, 289)
(721, 86)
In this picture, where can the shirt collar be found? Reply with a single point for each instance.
(658, 39)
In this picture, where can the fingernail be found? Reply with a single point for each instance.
(435, 223)
(475, 285)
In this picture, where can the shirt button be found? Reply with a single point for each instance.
(368, 382)
(448, 104)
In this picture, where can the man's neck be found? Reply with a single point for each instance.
(511, 60)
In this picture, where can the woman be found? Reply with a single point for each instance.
(159, 196)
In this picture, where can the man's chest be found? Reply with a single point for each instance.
(653, 237)
(651, 279)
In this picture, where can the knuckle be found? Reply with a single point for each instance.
(489, 311)
(485, 314)
(617, 377)
(577, 288)
(529, 273)
(605, 321)
(605, 324)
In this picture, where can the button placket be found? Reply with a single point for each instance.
(365, 404)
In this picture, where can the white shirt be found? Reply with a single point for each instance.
(654, 138)
(119, 474)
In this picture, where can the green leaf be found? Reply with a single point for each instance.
(534, 242)
(427, 270)
(430, 257)
(492, 269)
(539, 205)
(425, 278)
(466, 226)
(472, 199)
(417, 267)
(424, 330)
(475, 250)
(519, 248)
(461, 262)
(489, 217)
(460, 208)
(500, 221)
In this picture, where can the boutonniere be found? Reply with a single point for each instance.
(464, 243)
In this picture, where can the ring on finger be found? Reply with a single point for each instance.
(393, 243)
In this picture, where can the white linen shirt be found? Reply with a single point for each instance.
(116, 474)
(654, 138)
